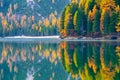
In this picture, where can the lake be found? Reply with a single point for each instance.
(59, 60)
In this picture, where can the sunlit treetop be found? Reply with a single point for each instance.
(74, 1)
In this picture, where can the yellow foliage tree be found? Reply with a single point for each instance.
(53, 19)
(75, 1)
(108, 5)
(36, 27)
(46, 22)
(101, 20)
(118, 24)
(40, 29)
(118, 27)
(4, 23)
(40, 22)
(82, 3)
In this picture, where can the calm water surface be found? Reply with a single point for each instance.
(60, 60)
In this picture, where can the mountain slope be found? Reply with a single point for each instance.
(34, 7)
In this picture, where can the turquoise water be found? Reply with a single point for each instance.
(55, 60)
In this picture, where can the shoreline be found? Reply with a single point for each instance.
(53, 39)
(17, 37)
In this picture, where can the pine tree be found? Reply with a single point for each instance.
(89, 26)
(78, 21)
(96, 22)
(68, 21)
(92, 16)
(89, 6)
(117, 2)
(106, 22)
(118, 19)
(113, 22)
(62, 19)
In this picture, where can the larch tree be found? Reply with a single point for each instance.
(108, 5)
(118, 27)
(76, 22)
(118, 19)
(67, 19)
(82, 3)
(89, 24)
(89, 6)
(75, 1)
(69, 13)
(62, 20)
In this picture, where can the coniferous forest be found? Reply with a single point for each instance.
(59, 39)
(91, 18)
(30, 17)
(75, 18)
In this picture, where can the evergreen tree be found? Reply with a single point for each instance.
(89, 26)
(96, 22)
(118, 20)
(89, 5)
(113, 22)
(92, 17)
(62, 20)
(78, 21)
(117, 2)
(106, 22)
(68, 23)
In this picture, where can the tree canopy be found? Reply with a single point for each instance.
(91, 17)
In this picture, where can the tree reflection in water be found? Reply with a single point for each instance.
(42, 61)
(91, 60)
(24, 61)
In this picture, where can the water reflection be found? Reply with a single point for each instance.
(60, 61)
(28, 61)
(91, 60)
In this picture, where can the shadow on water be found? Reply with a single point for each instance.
(63, 60)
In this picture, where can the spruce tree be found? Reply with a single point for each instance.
(78, 21)
(96, 22)
(106, 22)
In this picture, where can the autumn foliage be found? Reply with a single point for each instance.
(13, 24)
(91, 17)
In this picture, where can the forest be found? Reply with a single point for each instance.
(29, 17)
(91, 18)
(13, 25)
(79, 18)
